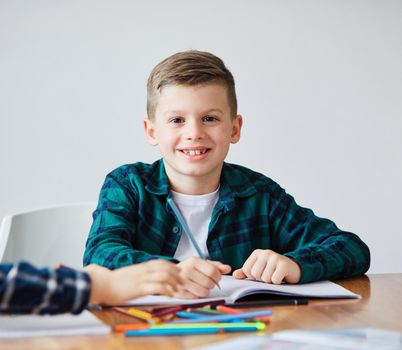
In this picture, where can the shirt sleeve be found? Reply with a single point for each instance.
(114, 227)
(25, 289)
(321, 249)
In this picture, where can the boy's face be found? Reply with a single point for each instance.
(193, 129)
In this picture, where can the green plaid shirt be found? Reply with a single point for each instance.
(133, 223)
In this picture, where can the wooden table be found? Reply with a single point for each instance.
(380, 306)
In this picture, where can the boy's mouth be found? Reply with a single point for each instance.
(194, 151)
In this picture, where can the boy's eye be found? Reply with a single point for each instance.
(210, 118)
(176, 120)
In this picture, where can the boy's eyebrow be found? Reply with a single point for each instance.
(213, 110)
(179, 112)
(173, 112)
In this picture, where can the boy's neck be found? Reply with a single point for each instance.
(194, 185)
(194, 191)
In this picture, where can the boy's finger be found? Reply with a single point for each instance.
(249, 264)
(239, 274)
(278, 275)
(267, 274)
(195, 289)
(159, 288)
(169, 277)
(208, 269)
(270, 267)
(258, 268)
(223, 268)
(184, 294)
(202, 279)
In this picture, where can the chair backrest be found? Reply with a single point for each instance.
(47, 237)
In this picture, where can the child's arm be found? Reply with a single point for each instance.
(114, 227)
(25, 289)
(319, 247)
(117, 286)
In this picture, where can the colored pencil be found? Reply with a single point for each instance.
(140, 314)
(228, 310)
(223, 318)
(130, 327)
(156, 332)
(192, 315)
(258, 325)
(205, 311)
(181, 329)
(165, 310)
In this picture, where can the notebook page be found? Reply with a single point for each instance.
(233, 289)
(323, 289)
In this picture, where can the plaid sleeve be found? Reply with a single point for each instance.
(25, 289)
(321, 249)
(113, 229)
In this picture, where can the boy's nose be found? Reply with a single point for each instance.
(194, 131)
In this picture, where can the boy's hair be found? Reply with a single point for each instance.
(189, 68)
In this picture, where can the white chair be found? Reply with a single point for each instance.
(48, 236)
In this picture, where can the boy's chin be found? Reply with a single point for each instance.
(196, 170)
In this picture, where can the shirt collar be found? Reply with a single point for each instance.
(158, 182)
(234, 183)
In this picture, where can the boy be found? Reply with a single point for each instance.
(25, 289)
(241, 219)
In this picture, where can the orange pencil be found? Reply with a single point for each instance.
(129, 327)
(228, 310)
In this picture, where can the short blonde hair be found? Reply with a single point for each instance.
(190, 68)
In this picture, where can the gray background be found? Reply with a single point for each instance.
(319, 85)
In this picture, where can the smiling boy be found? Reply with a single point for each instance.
(241, 219)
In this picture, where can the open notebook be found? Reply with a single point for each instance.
(19, 326)
(233, 290)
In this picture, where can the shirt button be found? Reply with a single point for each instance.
(175, 229)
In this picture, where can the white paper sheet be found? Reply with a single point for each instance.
(315, 339)
(20, 326)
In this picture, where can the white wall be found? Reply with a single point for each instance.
(319, 85)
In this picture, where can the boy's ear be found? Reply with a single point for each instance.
(236, 129)
(150, 132)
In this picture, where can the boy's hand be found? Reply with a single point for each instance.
(268, 266)
(199, 276)
(152, 277)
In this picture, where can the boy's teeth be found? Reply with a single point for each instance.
(194, 152)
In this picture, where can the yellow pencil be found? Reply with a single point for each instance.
(142, 315)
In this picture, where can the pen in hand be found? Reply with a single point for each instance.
(187, 230)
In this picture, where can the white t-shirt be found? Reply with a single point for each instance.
(197, 211)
